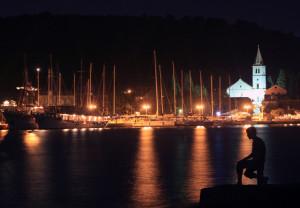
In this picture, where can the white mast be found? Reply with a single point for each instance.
(114, 90)
(211, 95)
(220, 94)
(161, 91)
(103, 89)
(174, 87)
(90, 83)
(191, 96)
(156, 85)
(74, 89)
(59, 88)
(48, 98)
(201, 88)
(182, 98)
(229, 100)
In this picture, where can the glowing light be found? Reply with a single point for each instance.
(38, 69)
(218, 113)
(199, 107)
(6, 103)
(66, 130)
(146, 107)
(246, 126)
(200, 127)
(180, 111)
(147, 128)
(92, 107)
(247, 107)
(128, 91)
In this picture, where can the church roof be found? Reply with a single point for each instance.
(276, 90)
(238, 86)
(258, 59)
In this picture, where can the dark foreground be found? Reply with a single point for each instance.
(250, 196)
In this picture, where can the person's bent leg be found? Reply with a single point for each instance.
(261, 179)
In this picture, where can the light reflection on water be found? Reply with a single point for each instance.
(200, 168)
(146, 185)
(145, 167)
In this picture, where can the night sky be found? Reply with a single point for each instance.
(283, 15)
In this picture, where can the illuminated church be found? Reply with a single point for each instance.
(256, 92)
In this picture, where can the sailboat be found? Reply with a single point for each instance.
(21, 117)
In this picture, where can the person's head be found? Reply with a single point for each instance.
(251, 132)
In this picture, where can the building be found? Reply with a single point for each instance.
(256, 92)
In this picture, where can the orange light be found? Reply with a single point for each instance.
(92, 107)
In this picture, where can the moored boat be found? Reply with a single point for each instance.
(20, 120)
(57, 121)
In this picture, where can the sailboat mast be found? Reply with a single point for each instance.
(87, 92)
(174, 87)
(59, 88)
(161, 91)
(90, 83)
(103, 89)
(182, 98)
(48, 98)
(114, 90)
(220, 94)
(229, 100)
(201, 88)
(81, 84)
(51, 79)
(156, 84)
(191, 96)
(74, 89)
(211, 95)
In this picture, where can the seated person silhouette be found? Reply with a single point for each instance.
(253, 163)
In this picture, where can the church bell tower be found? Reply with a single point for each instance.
(259, 81)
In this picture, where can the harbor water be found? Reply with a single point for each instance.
(137, 167)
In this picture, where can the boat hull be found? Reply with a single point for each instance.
(46, 121)
(18, 120)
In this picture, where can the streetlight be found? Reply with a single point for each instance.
(38, 85)
(200, 108)
(247, 107)
(92, 107)
(129, 98)
(128, 91)
(146, 107)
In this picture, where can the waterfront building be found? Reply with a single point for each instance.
(256, 91)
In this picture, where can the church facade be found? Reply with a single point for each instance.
(256, 92)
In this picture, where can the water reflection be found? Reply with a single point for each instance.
(31, 141)
(200, 173)
(3, 133)
(146, 187)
